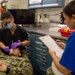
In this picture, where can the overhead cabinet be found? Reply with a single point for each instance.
(46, 3)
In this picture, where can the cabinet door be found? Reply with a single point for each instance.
(50, 1)
(43, 59)
(46, 3)
(53, 3)
(32, 51)
(32, 42)
(35, 3)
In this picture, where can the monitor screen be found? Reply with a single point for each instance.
(23, 16)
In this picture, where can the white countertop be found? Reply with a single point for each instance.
(46, 30)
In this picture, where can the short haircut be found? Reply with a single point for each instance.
(6, 15)
(69, 9)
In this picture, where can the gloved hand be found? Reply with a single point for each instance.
(7, 49)
(15, 44)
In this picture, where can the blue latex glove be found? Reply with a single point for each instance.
(7, 49)
(15, 45)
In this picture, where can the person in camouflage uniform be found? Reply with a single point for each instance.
(13, 40)
(18, 65)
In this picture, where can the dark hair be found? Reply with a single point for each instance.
(6, 15)
(69, 9)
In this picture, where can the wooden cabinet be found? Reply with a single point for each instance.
(46, 3)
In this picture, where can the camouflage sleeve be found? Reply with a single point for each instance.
(49, 71)
(20, 70)
(2, 73)
(15, 71)
(20, 66)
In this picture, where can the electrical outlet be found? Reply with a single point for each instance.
(55, 14)
(49, 14)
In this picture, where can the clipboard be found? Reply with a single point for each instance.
(51, 44)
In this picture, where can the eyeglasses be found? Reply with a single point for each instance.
(5, 24)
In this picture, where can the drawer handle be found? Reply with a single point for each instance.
(44, 45)
(44, 64)
(43, 69)
(38, 48)
(37, 42)
(44, 51)
(43, 60)
(43, 54)
(44, 57)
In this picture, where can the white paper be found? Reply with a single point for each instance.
(51, 44)
(34, 1)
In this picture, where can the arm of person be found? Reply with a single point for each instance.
(15, 52)
(25, 40)
(17, 44)
(60, 43)
(61, 68)
(25, 43)
(6, 48)
(2, 45)
(4, 68)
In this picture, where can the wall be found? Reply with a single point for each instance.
(23, 4)
(17, 4)
(53, 14)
